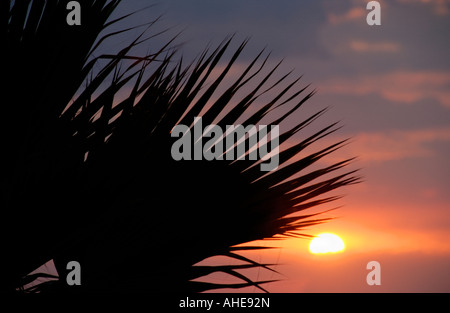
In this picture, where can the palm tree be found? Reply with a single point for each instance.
(89, 178)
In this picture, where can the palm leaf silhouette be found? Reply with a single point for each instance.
(89, 178)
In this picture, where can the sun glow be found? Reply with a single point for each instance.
(326, 243)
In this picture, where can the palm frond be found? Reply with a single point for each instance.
(91, 179)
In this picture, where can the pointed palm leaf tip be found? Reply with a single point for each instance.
(91, 178)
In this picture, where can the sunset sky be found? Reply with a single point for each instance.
(389, 85)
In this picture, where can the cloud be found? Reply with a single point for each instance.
(398, 86)
(439, 7)
(389, 145)
(396, 145)
(355, 13)
(366, 46)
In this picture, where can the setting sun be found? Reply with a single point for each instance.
(325, 243)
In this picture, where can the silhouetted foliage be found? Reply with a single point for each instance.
(86, 177)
